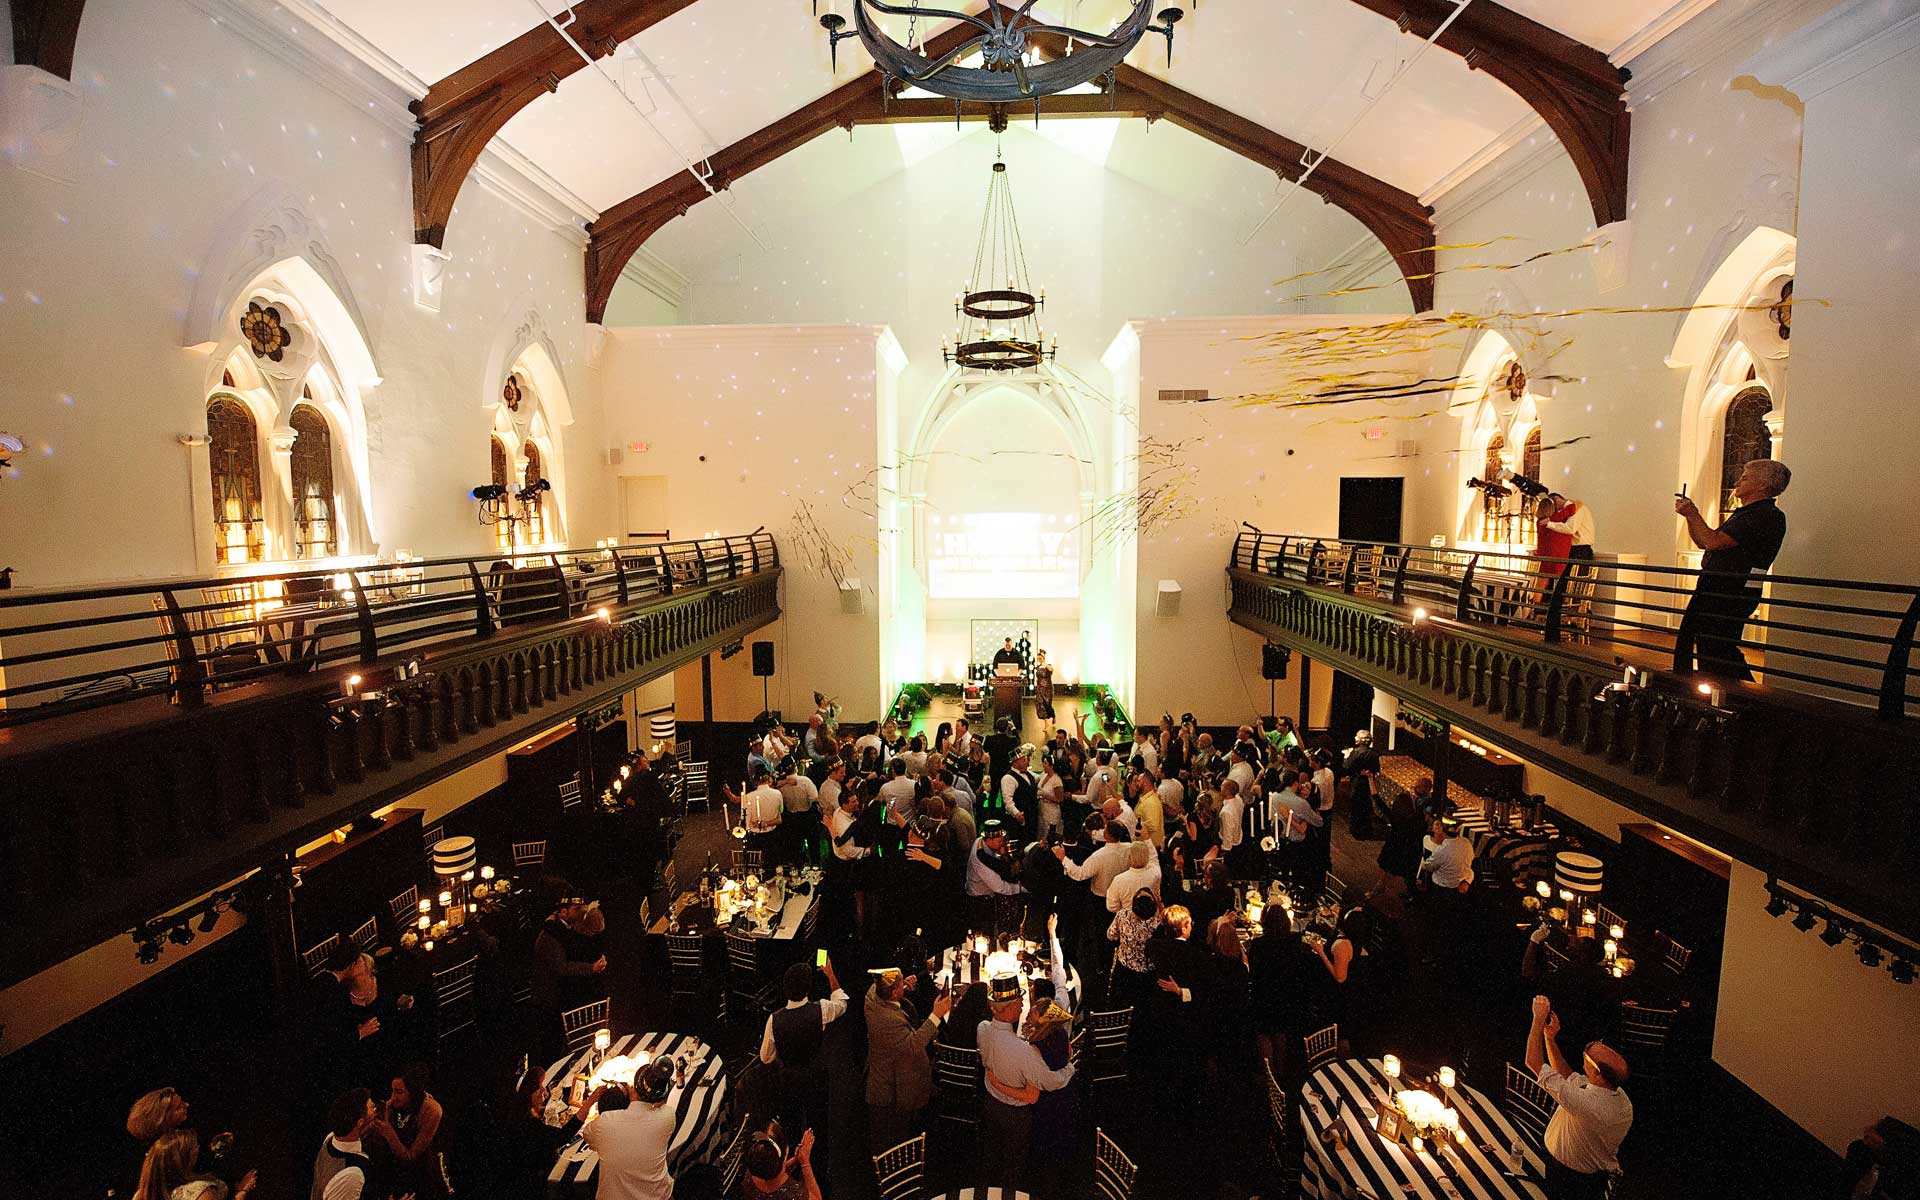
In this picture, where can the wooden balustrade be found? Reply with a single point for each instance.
(115, 814)
(1822, 794)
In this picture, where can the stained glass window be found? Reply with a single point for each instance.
(316, 531)
(1745, 439)
(1490, 471)
(233, 458)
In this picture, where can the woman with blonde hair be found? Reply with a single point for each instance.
(162, 1110)
(168, 1173)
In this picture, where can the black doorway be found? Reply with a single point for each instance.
(1370, 509)
(1350, 709)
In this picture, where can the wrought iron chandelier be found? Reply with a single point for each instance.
(998, 328)
(1010, 67)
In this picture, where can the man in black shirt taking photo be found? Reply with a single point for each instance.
(1745, 542)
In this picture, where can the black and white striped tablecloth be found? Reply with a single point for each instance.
(1367, 1165)
(1524, 852)
(699, 1126)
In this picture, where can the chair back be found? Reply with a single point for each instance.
(1607, 917)
(453, 996)
(1675, 957)
(1322, 1045)
(429, 836)
(580, 1024)
(1553, 959)
(1528, 1105)
(696, 790)
(750, 861)
(902, 1170)
(670, 879)
(529, 854)
(404, 906)
(1645, 1037)
(810, 923)
(367, 936)
(315, 957)
(733, 1160)
(646, 912)
(1108, 1035)
(1113, 1171)
(1332, 888)
(686, 961)
(1276, 1100)
(957, 1082)
(569, 794)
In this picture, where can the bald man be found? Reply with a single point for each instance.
(1593, 1114)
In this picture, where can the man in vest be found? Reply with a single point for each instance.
(342, 1170)
(791, 1044)
(566, 962)
(1019, 790)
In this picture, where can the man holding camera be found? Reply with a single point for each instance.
(1747, 541)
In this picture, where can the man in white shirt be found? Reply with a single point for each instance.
(1293, 810)
(631, 1135)
(799, 801)
(916, 756)
(1143, 871)
(1014, 1064)
(341, 1168)
(1593, 1114)
(793, 1038)
(870, 740)
(1113, 809)
(814, 742)
(1233, 815)
(962, 743)
(896, 794)
(1173, 794)
(1578, 525)
(760, 811)
(1144, 748)
(830, 788)
(1104, 865)
(1448, 862)
(1239, 769)
(988, 867)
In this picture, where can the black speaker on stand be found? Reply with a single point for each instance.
(763, 667)
(1273, 666)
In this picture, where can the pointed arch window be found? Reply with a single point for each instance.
(316, 532)
(536, 510)
(1745, 438)
(502, 478)
(1491, 471)
(233, 458)
(1530, 454)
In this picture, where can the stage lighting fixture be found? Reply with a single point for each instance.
(147, 952)
(1805, 920)
(209, 919)
(1869, 954)
(1776, 905)
(1901, 970)
(490, 491)
(181, 935)
(1834, 933)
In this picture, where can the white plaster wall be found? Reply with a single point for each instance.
(1234, 465)
(184, 121)
(784, 416)
(1713, 155)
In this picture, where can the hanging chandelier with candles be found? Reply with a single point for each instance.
(998, 328)
(1010, 66)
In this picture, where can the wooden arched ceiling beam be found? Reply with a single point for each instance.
(1401, 223)
(44, 33)
(460, 114)
(1579, 94)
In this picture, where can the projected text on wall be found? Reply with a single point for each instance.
(1013, 554)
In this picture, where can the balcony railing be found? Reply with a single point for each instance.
(163, 739)
(69, 650)
(1842, 638)
(1812, 774)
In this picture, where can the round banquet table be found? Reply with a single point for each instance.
(1351, 1090)
(699, 1126)
(948, 963)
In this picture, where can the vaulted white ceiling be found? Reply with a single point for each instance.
(720, 69)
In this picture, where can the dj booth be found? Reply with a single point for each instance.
(1009, 681)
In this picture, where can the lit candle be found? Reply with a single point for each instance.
(428, 947)
(1612, 949)
(1589, 917)
(1446, 1078)
(486, 873)
(1544, 888)
(1616, 932)
(602, 1040)
(979, 943)
(467, 877)
(426, 922)
(1390, 1063)
(1419, 1143)
(1566, 896)
(1617, 972)
(426, 906)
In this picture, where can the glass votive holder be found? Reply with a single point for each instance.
(446, 898)
(1589, 917)
(1545, 889)
(425, 922)
(1617, 932)
(1390, 1063)
(486, 873)
(1446, 1077)
(426, 906)
(602, 1040)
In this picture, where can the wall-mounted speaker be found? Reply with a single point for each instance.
(1274, 660)
(763, 658)
(1166, 602)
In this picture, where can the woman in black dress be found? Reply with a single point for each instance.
(1043, 688)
